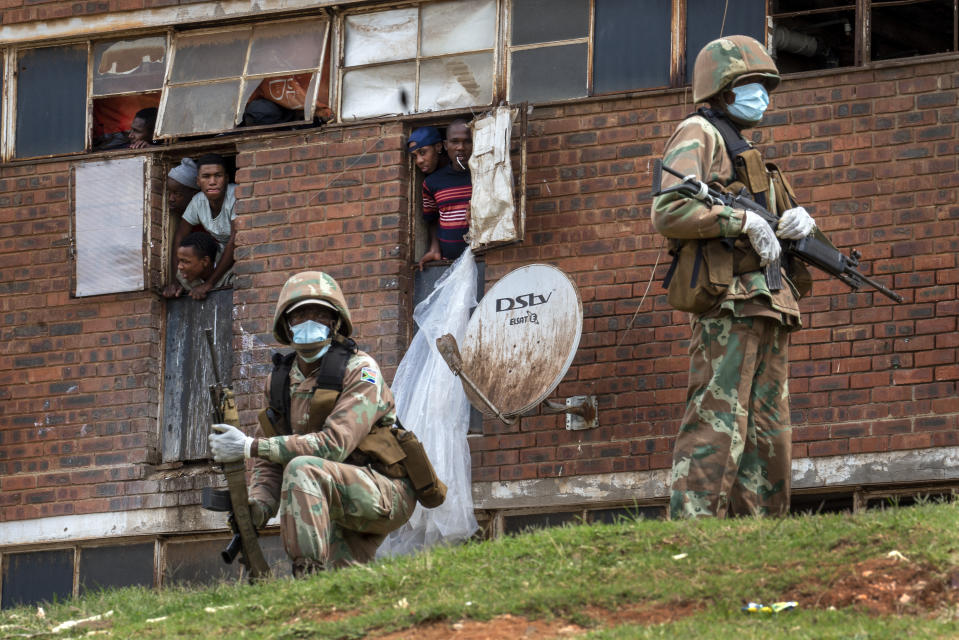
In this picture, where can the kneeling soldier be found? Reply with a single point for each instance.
(313, 461)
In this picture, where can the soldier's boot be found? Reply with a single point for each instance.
(304, 567)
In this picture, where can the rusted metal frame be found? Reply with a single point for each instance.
(419, 55)
(590, 45)
(863, 45)
(147, 241)
(243, 78)
(88, 122)
(810, 12)
(7, 103)
(309, 111)
(893, 3)
(524, 139)
(241, 89)
(677, 37)
(498, 88)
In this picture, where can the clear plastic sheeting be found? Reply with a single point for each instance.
(492, 212)
(431, 403)
(453, 27)
(457, 81)
(124, 66)
(109, 235)
(380, 37)
(374, 91)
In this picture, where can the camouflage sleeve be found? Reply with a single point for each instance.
(365, 400)
(267, 476)
(696, 148)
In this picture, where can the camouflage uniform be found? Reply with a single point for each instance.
(332, 513)
(733, 451)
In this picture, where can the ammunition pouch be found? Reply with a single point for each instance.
(700, 274)
(398, 453)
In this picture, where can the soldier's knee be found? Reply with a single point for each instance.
(301, 468)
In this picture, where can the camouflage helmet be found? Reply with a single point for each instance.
(721, 62)
(308, 285)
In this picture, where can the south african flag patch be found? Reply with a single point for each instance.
(368, 375)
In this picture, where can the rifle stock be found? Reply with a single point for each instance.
(815, 249)
(241, 521)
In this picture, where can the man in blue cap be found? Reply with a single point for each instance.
(426, 146)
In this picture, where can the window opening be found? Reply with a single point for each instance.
(431, 57)
(214, 75)
(707, 20)
(905, 29)
(813, 34)
(127, 76)
(51, 101)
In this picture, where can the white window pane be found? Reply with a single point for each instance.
(200, 108)
(458, 81)
(376, 91)
(289, 46)
(451, 27)
(210, 56)
(121, 66)
(109, 214)
(380, 37)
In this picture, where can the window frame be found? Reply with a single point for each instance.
(251, 27)
(340, 69)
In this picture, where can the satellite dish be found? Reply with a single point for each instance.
(519, 342)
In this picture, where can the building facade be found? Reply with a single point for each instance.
(101, 455)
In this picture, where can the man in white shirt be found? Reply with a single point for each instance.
(214, 209)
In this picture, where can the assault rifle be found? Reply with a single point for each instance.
(234, 499)
(815, 249)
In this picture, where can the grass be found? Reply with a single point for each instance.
(566, 573)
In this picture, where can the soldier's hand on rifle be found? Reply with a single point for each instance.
(795, 224)
(762, 238)
(229, 444)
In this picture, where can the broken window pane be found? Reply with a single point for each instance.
(548, 73)
(201, 108)
(707, 20)
(380, 37)
(51, 101)
(808, 41)
(124, 66)
(457, 81)
(902, 30)
(451, 27)
(627, 31)
(287, 46)
(549, 20)
(210, 56)
(109, 225)
(376, 91)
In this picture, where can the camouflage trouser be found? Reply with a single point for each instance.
(733, 451)
(337, 514)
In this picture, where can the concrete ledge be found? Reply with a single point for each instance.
(831, 472)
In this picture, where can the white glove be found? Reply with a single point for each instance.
(762, 238)
(795, 223)
(228, 444)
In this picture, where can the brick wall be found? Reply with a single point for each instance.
(873, 156)
(871, 152)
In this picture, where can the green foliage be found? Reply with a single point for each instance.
(555, 574)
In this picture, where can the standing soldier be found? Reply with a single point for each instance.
(319, 450)
(733, 451)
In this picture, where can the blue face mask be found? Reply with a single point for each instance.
(751, 102)
(309, 332)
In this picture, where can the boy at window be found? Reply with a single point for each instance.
(196, 259)
(426, 146)
(446, 197)
(142, 127)
(214, 209)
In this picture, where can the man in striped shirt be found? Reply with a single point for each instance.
(446, 197)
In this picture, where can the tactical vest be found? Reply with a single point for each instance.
(389, 449)
(708, 265)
